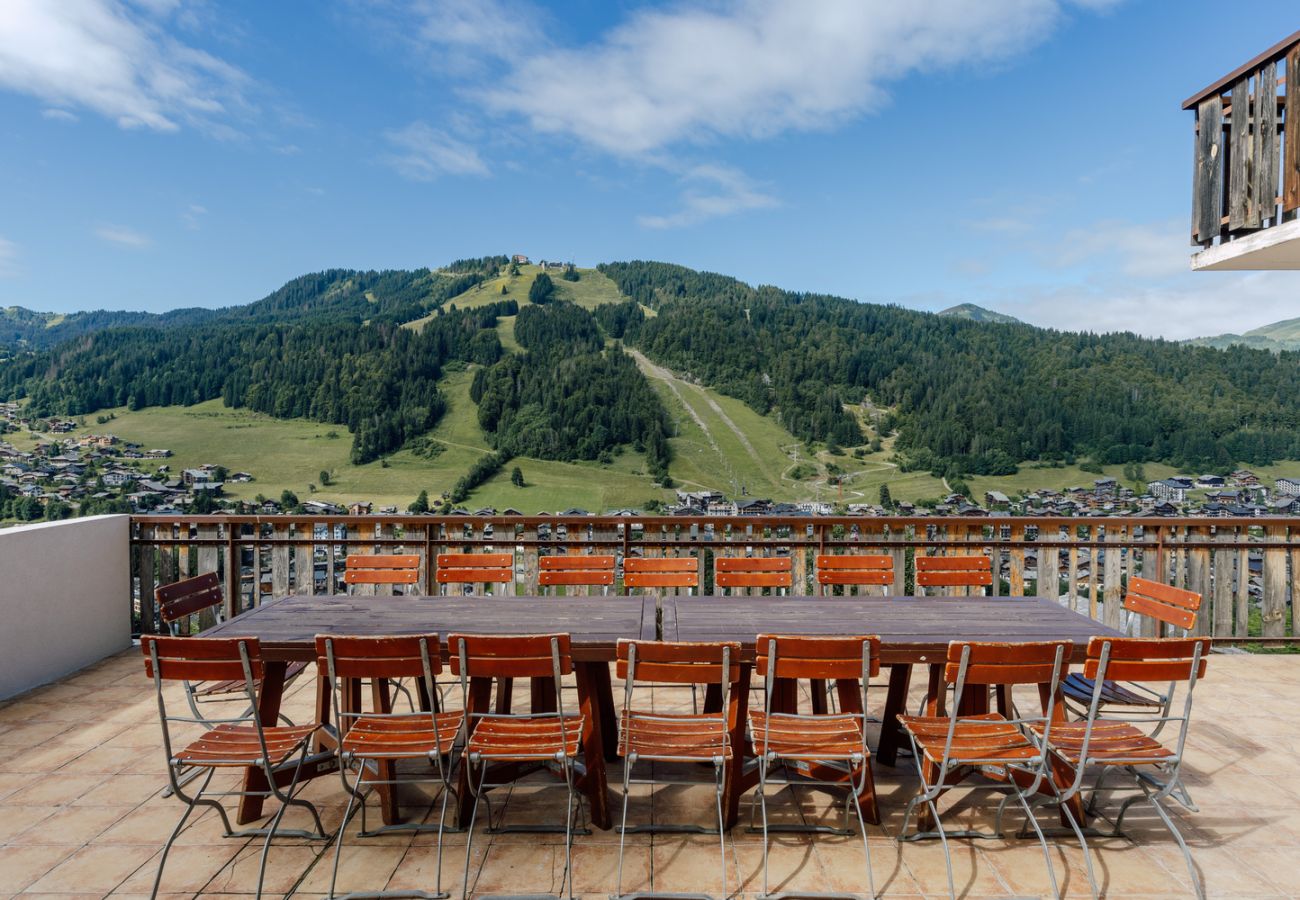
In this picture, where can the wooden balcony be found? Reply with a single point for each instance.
(1247, 165)
(1245, 568)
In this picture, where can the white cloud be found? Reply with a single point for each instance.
(193, 215)
(1141, 250)
(461, 37)
(711, 191)
(123, 236)
(117, 60)
(422, 153)
(750, 68)
(58, 115)
(8, 258)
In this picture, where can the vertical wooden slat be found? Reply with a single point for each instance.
(1017, 588)
(898, 553)
(1094, 571)
(1243, 205)
(280, 561)
(1198, 577)
(304, 561)
(145, 560)
(1049, 566)
(1113, 596)
(208, 556)
(1241, 616)
(1207, 200)
(1291, 163)
(1222, 581)
(234, 603)
(1265, 142)
(528, 565)
(1072, 591)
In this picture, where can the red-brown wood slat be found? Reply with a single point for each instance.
(473, 576)
(383, 561)
(661, 564)
(752, 564)
(475, 560)
(801, 656)
(660, 579)
(201, 658)
(855, 576)
(379, 656)
(509, 656)
(953, 579)
(381, 576)
(183, 598)
(752, 579)
(579, 577)
(574, 561)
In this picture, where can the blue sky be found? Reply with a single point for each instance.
(1028, 155)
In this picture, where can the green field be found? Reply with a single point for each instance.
(589, 291)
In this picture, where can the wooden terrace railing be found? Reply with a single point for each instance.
(1247, 144)
(1245, 568)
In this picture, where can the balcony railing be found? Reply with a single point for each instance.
(1245, 570)
(1247, 146)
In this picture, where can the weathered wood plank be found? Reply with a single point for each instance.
(1241, 614)
(304, 565)
(1017, 581)
(1113, 596)
(1222, 580)
(1072, 591)
(1273, 603)
(1291, 164)
(1243, 205)
(146, 559)
(208, 558)
(280, 562)
(1207, 198)
(1265, 141)
(1198, 577)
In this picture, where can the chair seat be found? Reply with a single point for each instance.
(237, 745)
(528, 738)
(1113, 743)
(397, 737)
(807, 737)
(1079, 688)
(987, 738)
(237, 686)
(666, 736)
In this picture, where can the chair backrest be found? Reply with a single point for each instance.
(201, 659)
(953, 571)
(509, 655)
(181, 599)
(661, 572)
(734, 572)
(989, 663)
(854, 569)
(475, 568)
(1168, 605)
(679, 662)
(377, 569)
(574, 569)
(378, 657)
(827, 658)
(1146, 659)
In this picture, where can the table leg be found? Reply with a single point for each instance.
(268, 712)
(603, 687)
(891, 733)
(733, 784)
(386, 770)
(851, 702)
(594, 782)
(1062, 775)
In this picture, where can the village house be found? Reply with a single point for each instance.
(1170, 489)
(1287, 487)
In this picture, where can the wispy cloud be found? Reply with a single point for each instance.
(1142, 250)
(193, 215)
(118, 60)
(59, 115)
(8, 258)
(711, 191)
(123, 236)
(459, 37)
(752, 69)
(422, 153)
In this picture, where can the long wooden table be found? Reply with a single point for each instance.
(287, 629)
(913, 630)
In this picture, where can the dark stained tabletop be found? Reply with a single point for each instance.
(911, 629)
(288, 627)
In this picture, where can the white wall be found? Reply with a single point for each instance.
(65, 598)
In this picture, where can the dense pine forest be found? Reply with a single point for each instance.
(965, 397)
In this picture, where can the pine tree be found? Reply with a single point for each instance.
(517, 477)
(421, 504)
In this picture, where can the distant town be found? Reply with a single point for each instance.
(68, 474)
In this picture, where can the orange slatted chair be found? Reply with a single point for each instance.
(954, 571)
(1172, 608)
(837, 741)
(378, 569)
(178, 603)
(374, 741)
(1111, 746)
(661, 572)
(468, 569)
(575, 570)
(552, 738)
(667, 737)
(947, 748)
(237, 742)
(737, 573)
(854, 570)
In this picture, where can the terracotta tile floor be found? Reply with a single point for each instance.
(81, 815)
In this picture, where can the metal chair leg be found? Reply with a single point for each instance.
(189, 808)
(1197, 886)
(353, 796)
(622, 831)
(719, 772)
(1042, 840)
(473, 817)
(866, 844)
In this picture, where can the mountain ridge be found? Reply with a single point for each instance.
(974, 313)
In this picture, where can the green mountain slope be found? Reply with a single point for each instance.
(973, 313)
(1276, 337)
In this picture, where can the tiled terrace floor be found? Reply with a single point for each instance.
(81, 767)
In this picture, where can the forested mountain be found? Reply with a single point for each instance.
(1278, 336)
(978, 314)
(27, 329)
(965, 396)
(971, 397)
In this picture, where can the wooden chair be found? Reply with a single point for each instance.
(1171, 608)
(549, 737)
(1119, 746)
(664, 737)
(656, 573)
(735, 574)
(575, 570)
(837, 741)
(851, 570)
(953, 572)
(469, 569)
(239, 742)
(372, 742)
(967, 740)
(376, 570)
(178, 603)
